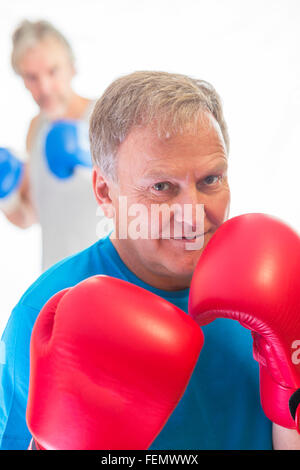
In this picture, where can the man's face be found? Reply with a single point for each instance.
(175, 173)
(47, 73)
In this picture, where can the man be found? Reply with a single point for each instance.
(159, 140)
(66, 210)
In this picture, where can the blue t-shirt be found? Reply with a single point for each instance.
(220, 408)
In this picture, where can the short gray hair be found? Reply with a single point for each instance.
(168, 102)
(29, 33)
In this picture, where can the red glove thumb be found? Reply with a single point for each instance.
(109, 363)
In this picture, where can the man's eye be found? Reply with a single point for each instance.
(211, 179)
(30, 78)
(53, 71)
(164, 186)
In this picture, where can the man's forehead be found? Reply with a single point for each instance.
(184, 171)
(147, 158)
(214, 162)
(205, 128)
(48, 49)
(145, 142)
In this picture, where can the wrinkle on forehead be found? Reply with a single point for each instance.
(205, 128)
(143, 151)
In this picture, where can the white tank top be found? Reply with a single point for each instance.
(66, 208)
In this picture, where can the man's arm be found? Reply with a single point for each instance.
(14, 377)
(285, 439)
(22, 214)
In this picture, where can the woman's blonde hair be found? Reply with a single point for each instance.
(170, 103)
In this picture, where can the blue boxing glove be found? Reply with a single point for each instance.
(67, 146)
(11, 175)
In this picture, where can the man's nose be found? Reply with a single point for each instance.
(44, 85)
(190, 206)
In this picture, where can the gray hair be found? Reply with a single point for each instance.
(169, 103)
(29, 33)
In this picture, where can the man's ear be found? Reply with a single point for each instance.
(101, 187)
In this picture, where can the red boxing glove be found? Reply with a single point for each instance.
(109, 363)
(250, 272)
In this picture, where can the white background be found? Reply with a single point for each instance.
(249, 50)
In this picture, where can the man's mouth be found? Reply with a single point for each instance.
(189, 238)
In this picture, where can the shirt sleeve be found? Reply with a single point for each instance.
(14, 378)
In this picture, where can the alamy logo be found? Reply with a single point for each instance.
(157, 221)
(296, 353)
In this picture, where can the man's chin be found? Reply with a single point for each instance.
(178, 278)
(186, 248)
(181, 262)
(52, 111)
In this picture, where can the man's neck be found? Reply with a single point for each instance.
(165, 281)
(76, 107)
